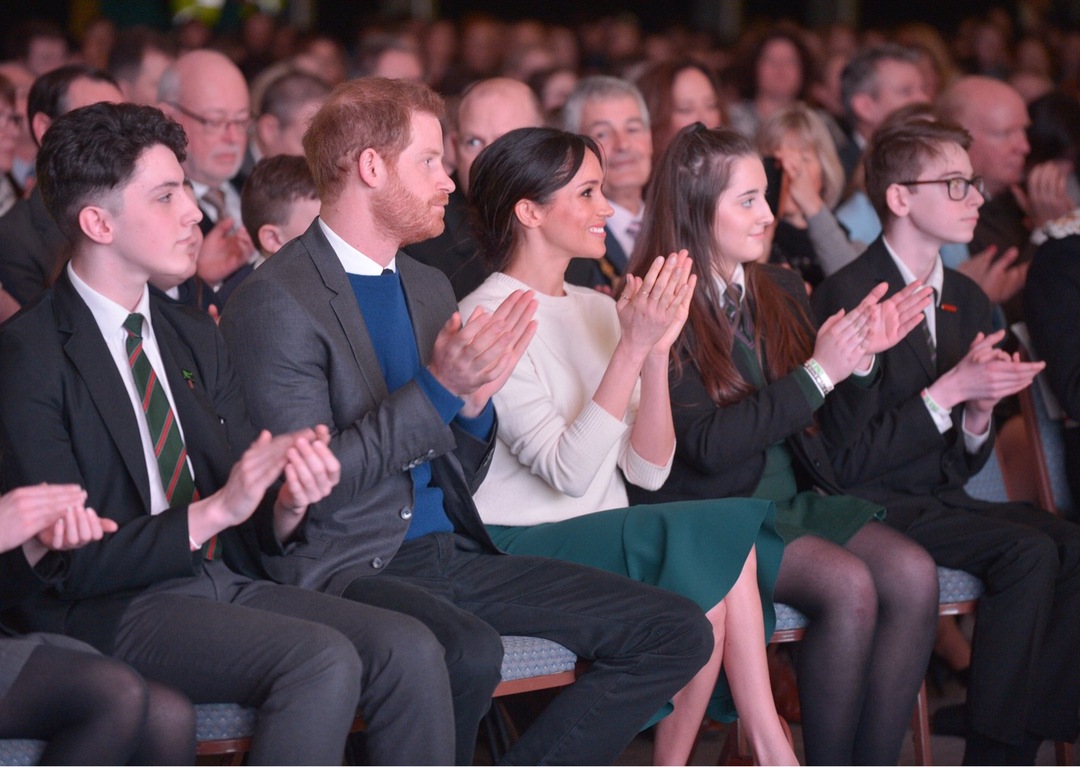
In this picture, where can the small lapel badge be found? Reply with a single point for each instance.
(189, 377)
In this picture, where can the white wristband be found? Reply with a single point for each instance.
(819, 376)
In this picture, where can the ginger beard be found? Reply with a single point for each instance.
(410, 219)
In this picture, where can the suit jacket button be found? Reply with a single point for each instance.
(431, 453)
(377, 562)
(405, 513)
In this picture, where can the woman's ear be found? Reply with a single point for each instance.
(529, 213)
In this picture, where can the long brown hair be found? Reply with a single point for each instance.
(680, 213)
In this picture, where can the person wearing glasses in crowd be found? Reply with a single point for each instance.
(911, 441)
(206, 93)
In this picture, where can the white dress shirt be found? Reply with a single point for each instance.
(110, 317)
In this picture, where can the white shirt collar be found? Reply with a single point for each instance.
(936, 280)
(352, 259)
(738, 277)
(109, 315)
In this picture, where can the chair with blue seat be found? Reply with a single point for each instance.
(224, 730)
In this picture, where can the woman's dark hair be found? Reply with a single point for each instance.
(1054, 133)
(681, 213)
(747, 81)
(657, 85)
(525, 164)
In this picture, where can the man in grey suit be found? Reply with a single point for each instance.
(342, 328)
(133, 398)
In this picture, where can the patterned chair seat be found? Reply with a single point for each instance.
(524, 658)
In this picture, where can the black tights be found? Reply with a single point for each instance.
(872, 606)
(95, 710)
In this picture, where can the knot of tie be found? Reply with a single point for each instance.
(133, 324)
(215, 198)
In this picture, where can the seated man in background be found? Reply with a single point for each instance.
(346, 329)
(206, 93)
(133, 398)
(488, 109)
(613, 113)
(32, 247)
(911, 442)
(279, 202)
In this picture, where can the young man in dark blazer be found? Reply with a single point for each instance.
(342, 327)
(911, 442)
(135, 400)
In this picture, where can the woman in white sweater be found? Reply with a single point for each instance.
(587, 406)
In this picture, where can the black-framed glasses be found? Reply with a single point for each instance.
(958, 187)
(214, 125)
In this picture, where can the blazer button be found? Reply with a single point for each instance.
(377, 562)
(405, 513)
(431, 453)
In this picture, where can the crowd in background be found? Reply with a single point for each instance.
(813, 103)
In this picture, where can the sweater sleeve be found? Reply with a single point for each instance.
(831, 244)
(564, 453)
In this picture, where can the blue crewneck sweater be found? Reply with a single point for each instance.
(382, 304)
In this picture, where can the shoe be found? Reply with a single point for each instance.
(950, 720)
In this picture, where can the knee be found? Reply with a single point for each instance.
(690, 633)
(1032, 559)
(848, 594)
(474, 656)
(909, 585)
(124, 701)
(327, 659)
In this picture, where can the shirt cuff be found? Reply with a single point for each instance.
(868, 371)
(942, 415)
(974, 442)
(446, 403)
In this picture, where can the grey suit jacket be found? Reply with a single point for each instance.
(305, 357)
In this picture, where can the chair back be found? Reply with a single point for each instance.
(1044, 421)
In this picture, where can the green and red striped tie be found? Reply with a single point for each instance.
(164, 430)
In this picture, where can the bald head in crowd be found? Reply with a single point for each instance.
(997, 118)
(489, 110)
(206, 93)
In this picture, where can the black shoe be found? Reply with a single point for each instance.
(983, 750)
(950, 720)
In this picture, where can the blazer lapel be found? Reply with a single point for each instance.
(914, 343)
(89, 354)
(950, 344)
(342, 300)
(425, 327)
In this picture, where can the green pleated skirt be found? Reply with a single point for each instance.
(694, 548)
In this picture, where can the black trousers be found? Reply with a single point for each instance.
(645, 644)
(1025, 664)
(305, 660)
